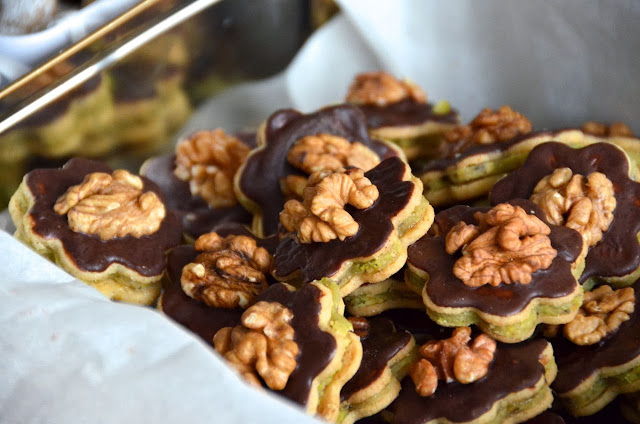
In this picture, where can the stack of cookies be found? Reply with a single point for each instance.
(309, 255)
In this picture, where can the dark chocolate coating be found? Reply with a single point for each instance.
(404, 113)
(445, 289)
(203, 320)
(618, 253)
(317, 260)
(144, 255)
(197, 216)
(418, 323)
(577, 363)
(316, 347)
(514, 368)
(546, 417)
(260, 179)
(380, 345)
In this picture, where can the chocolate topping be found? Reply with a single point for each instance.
(260, 177)
(203, 320)
(144, 255)
(404, 113)
(418, 323)
(618, 253)
(514, 368)
(197, 216)
(317, 260)
(316, 347)
(546, 418)
(446, 290)
(380, 346)
(577, 363)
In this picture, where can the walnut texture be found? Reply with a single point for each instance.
(321, 216)
(230, 272)
(585, 204)
(616, 129)
(603, 311)
(262, 346)
(507, 246)
(111, 206)
(452, 359)
(208, 160)
(381, 89)
(487, 127)
(292, 186)
(322, 152)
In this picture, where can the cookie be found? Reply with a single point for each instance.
(368, 244)
(297, 343)
(513, 383)
(392, 293)
(592, 191)
(398, 111)
(607, 360)
(149, 104)
(291, 146)
(476, 258)
(190, 311)
(473, 172)
(387, 355)
(198, 180)
(108, 229)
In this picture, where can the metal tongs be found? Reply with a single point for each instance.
(25, 101)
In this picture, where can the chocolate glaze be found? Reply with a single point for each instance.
(404, 113)
(196, 215)
(618, 253)
(203, 320)
(514, 368)
(445, 289)
(381, 344)
(546, 417)
(316, 347)
(145, 255)
(260, 179)
(317, 260)
(577, 363)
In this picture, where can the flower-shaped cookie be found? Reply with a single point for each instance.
(592, 191)
(193, 310)
(398, 111)
(281, 162)
(503, 269)
(110, 230)
(375, 246)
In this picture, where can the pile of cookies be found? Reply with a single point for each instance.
(309, 255)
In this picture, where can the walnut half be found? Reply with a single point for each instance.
(603, 311)
(321, 216)
(452, 359)
(111, 206)
(381, 89)
(585, 204)
(263, 345)
(487, 127)
(208, 160)
(229, 273)
(507, 246)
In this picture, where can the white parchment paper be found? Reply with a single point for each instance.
(69, 356)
